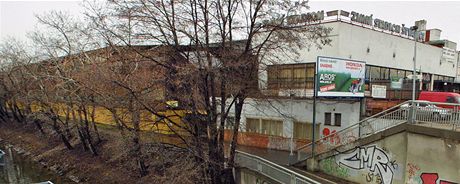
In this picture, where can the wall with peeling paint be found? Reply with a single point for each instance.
(289, 111)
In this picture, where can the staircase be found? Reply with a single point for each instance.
(391, 117)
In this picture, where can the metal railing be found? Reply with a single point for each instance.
(439, 115)
(271, 170)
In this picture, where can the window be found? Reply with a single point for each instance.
(401, 74)
(385, 73)
(327, 118)
(337, 119)
(252, 125)
(375, 72)
(229, 122)
(303, 130)
(291, 76)
(264, 126)
(272, 127)
(450, 99)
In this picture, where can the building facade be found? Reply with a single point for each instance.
(285, 119)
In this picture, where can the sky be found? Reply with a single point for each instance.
(17, 17)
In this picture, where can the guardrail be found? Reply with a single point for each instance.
(439, 115)
(271, 170)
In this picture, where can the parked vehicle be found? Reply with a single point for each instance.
(426, 110)
(441, 97)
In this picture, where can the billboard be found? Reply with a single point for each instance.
(340, 77)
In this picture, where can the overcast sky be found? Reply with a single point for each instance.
(17, 17)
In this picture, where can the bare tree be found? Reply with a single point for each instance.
(216, 50)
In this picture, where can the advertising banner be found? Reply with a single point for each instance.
(340, 77)
(396, 83)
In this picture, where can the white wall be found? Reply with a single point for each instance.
(300, 110)
(458, 67)
(354, 40)
(351, 41)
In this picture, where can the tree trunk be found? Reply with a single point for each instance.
(13, 112)
(137, 148)
(59, 132)
(238, 109)
(82, 139)
(67, 121)
(93, 121)
(81, 135)
(87, 133)
(39, 126)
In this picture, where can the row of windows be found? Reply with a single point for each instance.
(301, 76)
(382, 73)
(265, 126)
(291, 76)
(301, 130)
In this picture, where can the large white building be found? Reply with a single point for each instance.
(387, 49)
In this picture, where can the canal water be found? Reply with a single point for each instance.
(16, 169)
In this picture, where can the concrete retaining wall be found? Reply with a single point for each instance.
(413, 154)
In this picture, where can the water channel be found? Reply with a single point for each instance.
(16, 169)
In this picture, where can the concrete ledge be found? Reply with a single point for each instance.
(416, 129)
(434, 132)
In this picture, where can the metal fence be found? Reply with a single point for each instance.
(271, 170)
(439, 115)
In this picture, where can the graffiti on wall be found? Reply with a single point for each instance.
(416, 176)
(329, 166)
(338, 139)
(413, 172)
(370, 158)
(432, 178)
(371, 177)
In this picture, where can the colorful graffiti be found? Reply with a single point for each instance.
(432, 178)
(413, 172)
(370, 158)
(329, 166)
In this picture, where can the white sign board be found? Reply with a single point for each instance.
(448, 55)
(379, 91)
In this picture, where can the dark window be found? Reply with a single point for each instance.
(375, 73)
(338, 119)
(385, 73)
(368, 69)
(450, 99)
(229, 122)
(327, 118)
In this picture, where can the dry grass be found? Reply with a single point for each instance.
(167, 164)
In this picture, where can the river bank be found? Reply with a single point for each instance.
(75, 165)
(112, 165)
(17, 168)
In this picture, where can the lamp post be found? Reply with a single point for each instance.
(414, 73)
